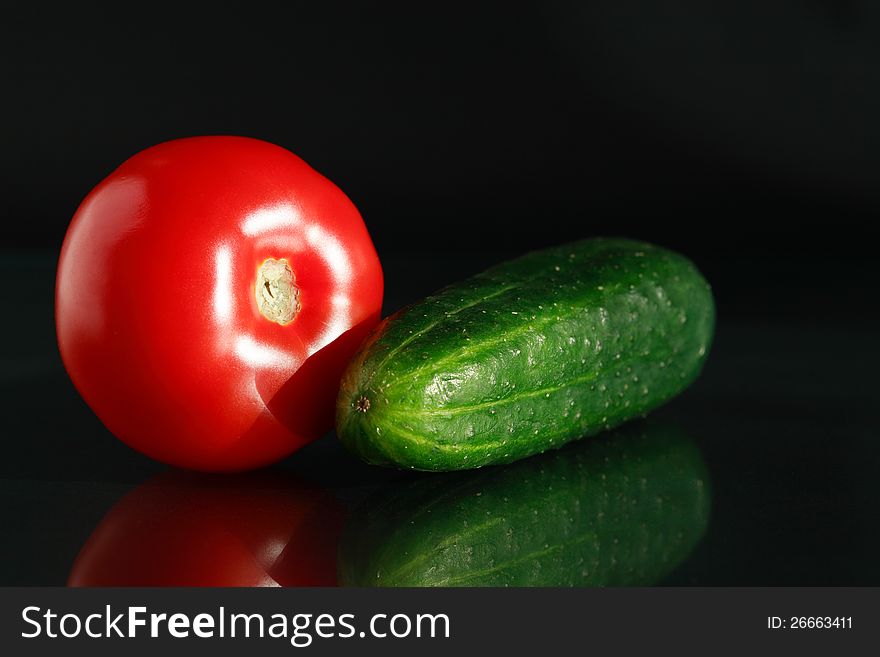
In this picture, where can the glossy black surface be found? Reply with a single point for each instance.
(783, 416)
(743, 134)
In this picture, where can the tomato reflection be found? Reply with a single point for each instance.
(187, 529)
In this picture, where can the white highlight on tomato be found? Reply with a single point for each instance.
(264, 220)
(331, 251)
(223, 285)
(258, 354)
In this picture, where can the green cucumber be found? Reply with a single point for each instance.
(529, 355)
(623, 510)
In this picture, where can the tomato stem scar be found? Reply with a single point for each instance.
(277, 294)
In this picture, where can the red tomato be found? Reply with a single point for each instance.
(210, 292)
(187, 529)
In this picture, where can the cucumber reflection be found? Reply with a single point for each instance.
(623, 509)
(187, 529)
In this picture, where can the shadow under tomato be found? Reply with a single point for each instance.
(187, 529)
(305, 404)
(317, 381)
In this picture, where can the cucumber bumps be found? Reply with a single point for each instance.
(531, 354)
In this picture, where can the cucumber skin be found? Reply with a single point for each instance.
(623, 510)
(531, 354)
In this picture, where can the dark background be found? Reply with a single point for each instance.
(744, 134)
